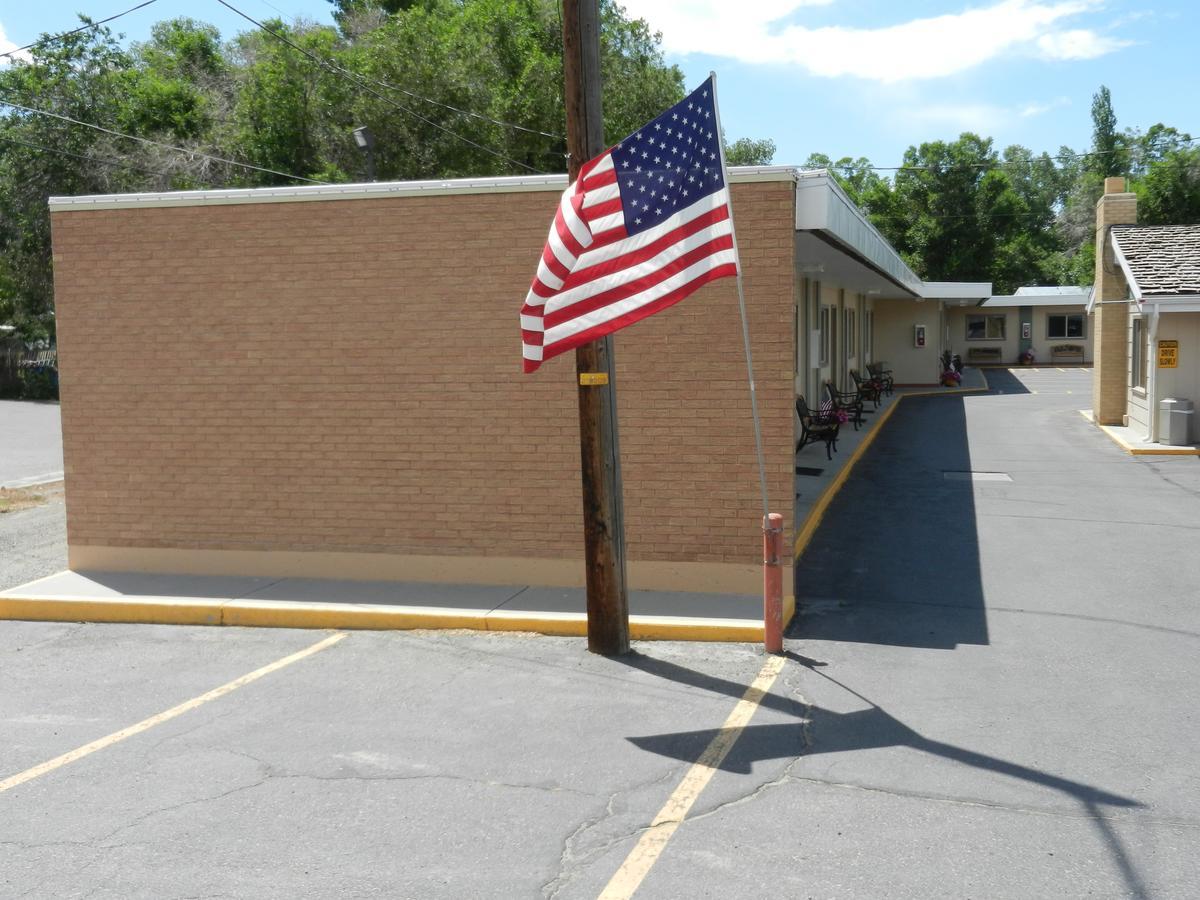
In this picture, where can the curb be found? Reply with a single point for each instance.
(813, 520)
(278, 614)
(1140, 451)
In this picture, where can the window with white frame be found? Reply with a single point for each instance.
(985, 328)
(1137, 354)
(869, 334)
(851, 333)
(1067, 326)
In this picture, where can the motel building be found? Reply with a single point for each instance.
(325, 381)
(1146, 315)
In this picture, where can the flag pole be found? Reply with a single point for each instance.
(762, 469)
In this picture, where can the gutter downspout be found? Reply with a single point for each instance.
(1152, 376)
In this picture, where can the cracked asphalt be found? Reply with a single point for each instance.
(988, 693)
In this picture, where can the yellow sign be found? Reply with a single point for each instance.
(1168, 354)
(593, 378)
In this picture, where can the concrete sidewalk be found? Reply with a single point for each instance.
(314, 603)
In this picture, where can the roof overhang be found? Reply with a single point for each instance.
(827, 215)
(370, 191)
(1080, 298)
(956, 290)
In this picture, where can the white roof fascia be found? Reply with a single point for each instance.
(1038, 301)
(821, 205)
(956, 290)
(1091, 300)
(1175, 303)
(370, 191)
(1134, 288)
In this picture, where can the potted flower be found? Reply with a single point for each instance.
(951, 378)
(1027, 357)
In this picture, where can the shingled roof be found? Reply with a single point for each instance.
(1162, 260)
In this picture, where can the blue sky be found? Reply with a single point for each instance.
(857, 77)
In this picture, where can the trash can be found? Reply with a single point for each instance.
(1174, 421)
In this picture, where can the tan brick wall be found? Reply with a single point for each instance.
(1111, 323)
(345, 376)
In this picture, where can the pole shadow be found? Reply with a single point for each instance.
(816, 730)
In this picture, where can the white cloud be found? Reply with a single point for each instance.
(7, 46)
(753, 32)
(984, 118)
(1036, 109)
(1078, 44)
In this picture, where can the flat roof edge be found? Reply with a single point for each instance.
(369, 191)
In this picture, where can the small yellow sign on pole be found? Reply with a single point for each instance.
(1168, 354)
(587, 379)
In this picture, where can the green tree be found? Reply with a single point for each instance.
(750, 152)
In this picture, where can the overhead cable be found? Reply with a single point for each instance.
(147, 141)
(90, 25)
(93, 159)
(366, 86)
(1000, 163)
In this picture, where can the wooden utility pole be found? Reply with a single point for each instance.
(603, 513)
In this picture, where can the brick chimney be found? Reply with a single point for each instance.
(1111, 320)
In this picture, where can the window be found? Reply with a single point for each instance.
(851, 334)
(985, 328)
(869, 334)
(1064, 326)
(1137, 354)
(824, 335)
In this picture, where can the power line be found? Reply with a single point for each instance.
(999, 164)
(57, 37)
(147, 141)
(400, 90)
(362, 83)
(93, 159)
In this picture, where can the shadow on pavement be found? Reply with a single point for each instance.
(896, 560)
(816, 730)
(1003, 381)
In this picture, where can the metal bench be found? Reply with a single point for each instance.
(1066, 353)
(984, 354)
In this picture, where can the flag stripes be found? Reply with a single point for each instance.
(638, 231)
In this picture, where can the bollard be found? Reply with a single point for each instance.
(773, 583)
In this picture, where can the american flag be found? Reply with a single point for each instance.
(643, 226)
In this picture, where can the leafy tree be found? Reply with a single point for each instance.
(749, 152)
(1169, 194)
(1108, 146)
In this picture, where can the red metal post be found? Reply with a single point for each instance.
(773, 583)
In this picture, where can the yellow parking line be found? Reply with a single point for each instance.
(87, 749)
(647, 851)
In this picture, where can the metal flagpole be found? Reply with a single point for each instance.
(762, 469)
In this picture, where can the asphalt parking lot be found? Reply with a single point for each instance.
(30, 443)
(992, 698)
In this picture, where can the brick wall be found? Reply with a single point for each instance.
(345, 376)
(1110, 372)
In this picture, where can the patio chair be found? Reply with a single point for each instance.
(815, 427)
(868, 389)
(883, 376)
(848, 402)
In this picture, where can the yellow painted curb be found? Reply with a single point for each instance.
(272, 614)
(817, 513)
(260, 614)
(1139, 451)
(159, 611)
